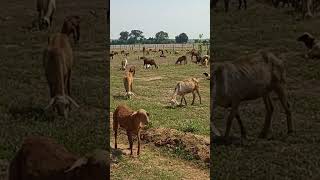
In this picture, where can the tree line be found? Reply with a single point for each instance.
(137, 37)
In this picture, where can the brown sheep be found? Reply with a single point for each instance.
(128, 80)
(131, 121)
(185, 87)
(43, 158)
(182, 58)
(249, 78)
(148, 61)
(71, 25)
(58, 62)
(46, 9)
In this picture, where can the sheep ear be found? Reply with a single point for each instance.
(80, 162)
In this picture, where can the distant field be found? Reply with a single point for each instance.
(153, 89)
(158, 46)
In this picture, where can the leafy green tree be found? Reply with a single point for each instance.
(182, 38)
(124, 35)
(161, 37)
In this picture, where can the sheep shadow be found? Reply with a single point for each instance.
(221, 140)
(120, 97)
(174, 107)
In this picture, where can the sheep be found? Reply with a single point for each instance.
(182, 58)
(148, 61)
(163, 56)
(226, 4)
(43, 158)
(131, 121)
(46, 9)
(250, 78)
(128, 81)
(207, 75)
(205, 60)
(71, 25)
(124, 64)
(176, 52)
(126, 53)
(58, 62)
(184, 87)
(111, 55)
(312, 44)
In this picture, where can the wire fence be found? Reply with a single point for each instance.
(158, 46)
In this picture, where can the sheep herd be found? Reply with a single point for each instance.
(133, 121)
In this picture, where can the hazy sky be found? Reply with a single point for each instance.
(152, 16)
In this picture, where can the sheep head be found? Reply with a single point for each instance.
(308, 40)
(62, 104)
(93, 166)
(143, 116)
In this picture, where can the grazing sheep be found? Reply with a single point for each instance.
(122, 52)
(176, 52)
(126, 53)
(131, 121)
(148, 61)
(71, 25)
(205, 60)
(250, 78)
(43, 158)
(182, 58)
(124, 64)
(57, 62)
(111, 55)
(115, 53)
(312, 44)
(46, 9)
(128, 80)
(226, 4)
(185, 87)
(207, 76)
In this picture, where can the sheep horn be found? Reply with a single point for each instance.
(78, 163)
(50, 103)
(73, 101)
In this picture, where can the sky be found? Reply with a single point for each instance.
(151, 16)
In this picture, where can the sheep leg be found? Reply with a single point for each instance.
(230, 118)
(284, 102)
(226, 5)
(115, 138)
(267, 123)
(240, 4)
(193, 97)
(181, 100)
(129, 134)
(242, 128)
(185, 101)
(197, 90)
(138, 152)
(245, 4)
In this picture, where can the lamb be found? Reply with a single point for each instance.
(71, 25)
(148, 61)
(312, 44)
(124, 64)
(128, 81)
(184, 87)
(131, 121)
(58, 62)
(182, 58)
(43, 158)
(46, 9)
(250, 78)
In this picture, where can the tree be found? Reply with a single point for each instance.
(124, 35)
(182, 38)
(161, 37)
(136, 34)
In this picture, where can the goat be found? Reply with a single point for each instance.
(249, 78)
(312, 44)
(124, 64)
(131, 121)
(148, 61)
(46, 9)
(128, 80)
(182, 58)
(58, 62)
(71, 25)
(226, 4)
(184, 87)
(43, 158)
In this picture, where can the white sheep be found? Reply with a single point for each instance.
(131, 121)
(124, 64)
(184, 87)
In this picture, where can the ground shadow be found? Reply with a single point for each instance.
(120, 97)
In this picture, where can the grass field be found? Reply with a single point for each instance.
(283, 157)
(24, 90)
(153, 89)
